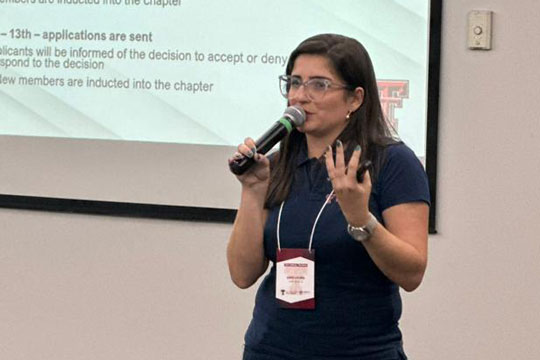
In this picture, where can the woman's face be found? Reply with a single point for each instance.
(325, 116)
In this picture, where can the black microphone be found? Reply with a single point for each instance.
(292, 117)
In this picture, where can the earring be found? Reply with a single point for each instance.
(348, 115)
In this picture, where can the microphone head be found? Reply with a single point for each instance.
(295, 114)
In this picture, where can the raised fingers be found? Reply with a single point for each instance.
(340, 158)
(329, 159)
(352, 167)
(367, 179)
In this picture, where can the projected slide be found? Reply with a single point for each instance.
(190, 71)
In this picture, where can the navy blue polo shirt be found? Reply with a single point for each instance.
(357, 308)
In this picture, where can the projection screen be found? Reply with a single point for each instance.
(142, 101)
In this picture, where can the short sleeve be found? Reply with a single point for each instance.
(402, 178)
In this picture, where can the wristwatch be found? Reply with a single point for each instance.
(362, 233)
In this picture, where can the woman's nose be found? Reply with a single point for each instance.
(299, 95)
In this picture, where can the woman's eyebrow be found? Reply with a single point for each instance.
(313, 77)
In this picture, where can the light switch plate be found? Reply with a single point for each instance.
(479, 29)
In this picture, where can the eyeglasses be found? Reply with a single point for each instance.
(315, 88)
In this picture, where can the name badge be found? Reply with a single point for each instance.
(295, 278)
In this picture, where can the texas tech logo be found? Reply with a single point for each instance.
(392, 93)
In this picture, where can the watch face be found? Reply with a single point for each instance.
(363, 233)
(359, 234)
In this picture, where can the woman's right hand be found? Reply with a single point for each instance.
(245, 251)
(258, 175)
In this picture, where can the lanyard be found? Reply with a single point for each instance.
(314, 224)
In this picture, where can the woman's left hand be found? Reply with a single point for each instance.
(399, 248)
(352, 196)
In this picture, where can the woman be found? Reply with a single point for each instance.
(369, 237)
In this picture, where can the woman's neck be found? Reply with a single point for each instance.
(317, 145)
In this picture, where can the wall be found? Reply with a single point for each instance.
(480, 298)
(80, 287)
(88, 287)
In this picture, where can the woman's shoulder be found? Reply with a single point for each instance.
(389, 153)
(395, 151)
(398, 147)
(399, 154)
(402, 177)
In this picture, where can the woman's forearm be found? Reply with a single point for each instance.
(245, 251)
(400, 249)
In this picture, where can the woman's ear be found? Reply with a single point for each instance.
(357, 99)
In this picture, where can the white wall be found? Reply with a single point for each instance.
(85, 287)
(481, 295)
(88, 287)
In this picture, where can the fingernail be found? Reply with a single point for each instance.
(339, 143)
(250, 154)
(357, 148)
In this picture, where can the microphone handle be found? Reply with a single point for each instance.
(263, 144)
